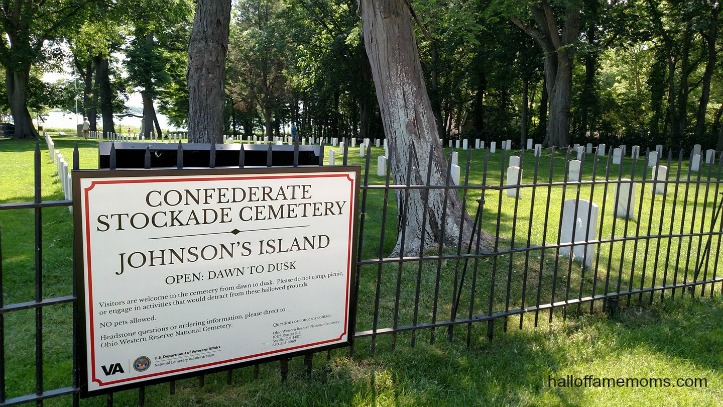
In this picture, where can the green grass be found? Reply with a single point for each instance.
(672, 339)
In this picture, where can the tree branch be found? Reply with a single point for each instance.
(551, 25)
(424, 30)
(535, 34)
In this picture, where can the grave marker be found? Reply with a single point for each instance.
(624, 197)
(617, 156)
(455, 174)
(579, 218)
(514, 176)
(710, 156)
(695, 163)
(381, 166)
(652, 159)
(573, 171)
(660, 173)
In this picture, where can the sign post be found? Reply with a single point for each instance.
(183, 271)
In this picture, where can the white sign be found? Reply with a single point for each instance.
(191, 270)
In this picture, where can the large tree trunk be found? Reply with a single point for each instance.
(105, 93)
(411, 129)
(710, 38)
(558, 124)
(558, 47)
(89, 109)
(206, 72)
(16, 83)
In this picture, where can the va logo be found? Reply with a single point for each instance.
(142, 363)
(112, 369)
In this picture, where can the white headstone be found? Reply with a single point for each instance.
(341, 146)
(353, 142)
(659, 150)
(465, 144)
(635, 152)
(456, 143)
(450, 143)
(366, 141)
(580, 152)
(362, 150)
(481, 144)
(334, 141)
(573, 171)
(493, 147)
(332, 157)
(617, 156)
(588, 148)
(381, 166)
(695, 163)
(624, 149)
(529, 144)
(652, 159)
(696, 149)
(601, 150)
(476, 144)
(508, 145)
(710, 156)
(538, 150)
(455, 158)
(455, 174)
(624, 196)
(514, 161)
(514, 176)
(376, 143)
(660, 173)
(583, 227)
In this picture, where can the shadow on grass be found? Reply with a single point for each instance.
(682, 337)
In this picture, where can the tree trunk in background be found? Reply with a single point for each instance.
(524, 112)
(544, 103)
(411, 129)
(89, 109)
(105, 93)
(710, 38)
(558, 47)
(206, 71)
(16, 85)
(717, 126)
(149, 115)
(680, 131)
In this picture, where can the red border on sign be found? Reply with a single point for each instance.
(89, 286)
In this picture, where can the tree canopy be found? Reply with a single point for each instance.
(559, 71)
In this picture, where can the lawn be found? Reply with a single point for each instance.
(680, 338)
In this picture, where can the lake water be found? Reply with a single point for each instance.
(68, 120)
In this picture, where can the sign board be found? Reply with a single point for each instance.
(180, 271)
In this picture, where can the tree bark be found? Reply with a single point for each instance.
(105, 93)
(523, 111)
(206, 71)
(411, 130)
(16, 83)
(710, 37)
(558, 47)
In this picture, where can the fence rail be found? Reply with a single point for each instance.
(556, 239)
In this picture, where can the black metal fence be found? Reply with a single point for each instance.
(561, 241)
